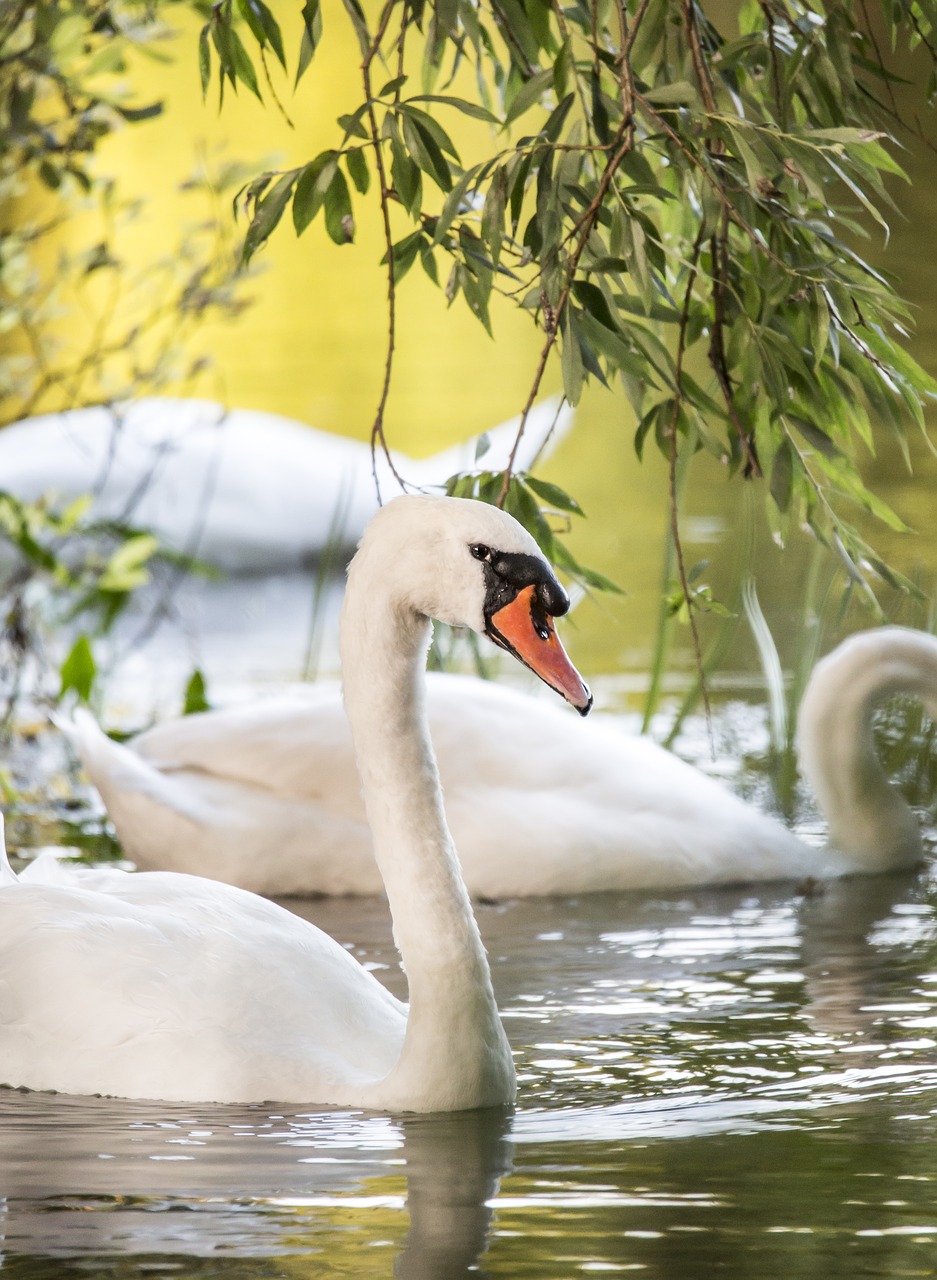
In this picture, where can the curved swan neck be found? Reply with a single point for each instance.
(455, 1053)
(868, 819)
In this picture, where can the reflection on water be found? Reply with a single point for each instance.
(719, 1079)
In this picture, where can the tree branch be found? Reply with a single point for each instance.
(672, 473)
(378, 438)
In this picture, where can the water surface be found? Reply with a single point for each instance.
(731, 1080)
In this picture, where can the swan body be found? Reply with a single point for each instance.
(265, 795)
(242, 489)
(165, 985)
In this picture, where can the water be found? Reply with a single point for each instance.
(722, 1080)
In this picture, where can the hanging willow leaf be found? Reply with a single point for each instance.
(268, 213)
(311, 187)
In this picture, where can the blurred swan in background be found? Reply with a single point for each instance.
(244, 490)
(266, 796)
(169, 986)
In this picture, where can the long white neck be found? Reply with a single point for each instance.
(868, 819)
(455, 1054)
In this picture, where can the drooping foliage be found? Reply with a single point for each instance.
(81, 320)
(678, 202)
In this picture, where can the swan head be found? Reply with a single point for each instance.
(471, 565)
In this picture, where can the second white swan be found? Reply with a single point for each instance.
(265, 795)
(246, 490)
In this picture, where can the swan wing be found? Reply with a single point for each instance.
(281, 743)
(167, 986)
(243, 798)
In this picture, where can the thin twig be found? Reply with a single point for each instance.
(672, 476)
(273, 93)
(775, 64)
(700, 65)
(717, 350)
(621, 145)
(378, 439)
(624, 141)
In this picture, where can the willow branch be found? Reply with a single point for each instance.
(775, 64)
(624, 141)
(717, 350)
(378, 438)
(672, 473)
(700, 65)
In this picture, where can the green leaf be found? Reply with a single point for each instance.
(571, 360)
(428, 261)
(263, 26)
(467, 108)
(392, 86)
(195, 696)
(782, 476)
(678, 93)
(312, 184)
(523, 506)
(476, 295)
(454, 200)
(557, 118)
(844, 135)
(359, 22)
(554, 495)
(204, 57)
(357, 167)
(352, 124)
(404, 253)
(125, 570)
(267, 214)
(814, 436)
(78, 670)
(406, 177)
(593, 300)
(531, 91)
(312, 34)
(425, 150)
(242, 66)
(492, 225)
(338, 220)
(564, 559)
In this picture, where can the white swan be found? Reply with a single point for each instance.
(245, 490)
(161, 985)
(265, 795)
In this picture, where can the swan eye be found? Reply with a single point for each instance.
(480, 551)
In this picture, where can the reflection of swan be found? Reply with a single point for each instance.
(454, 1164)
(265, 795)
(243, 489)
(171, 986)
(841, 966)
(236, 1163)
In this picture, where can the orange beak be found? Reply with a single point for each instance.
(526, 630)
